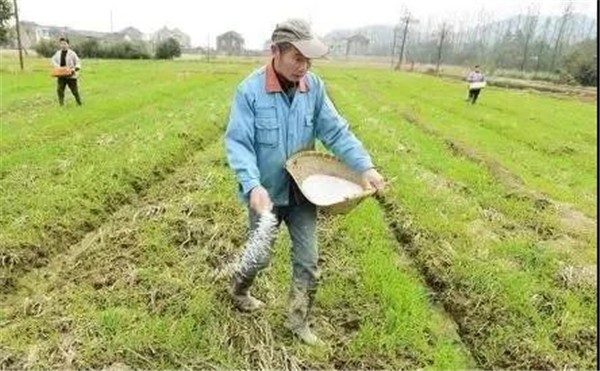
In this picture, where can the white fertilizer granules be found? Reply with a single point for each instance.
(256, 251)
(258, 247)
(324, 190)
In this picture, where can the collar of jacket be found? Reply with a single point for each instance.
(272, 83)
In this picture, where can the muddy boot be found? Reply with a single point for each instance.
(242, 300)
(299, 307)
(305, 334)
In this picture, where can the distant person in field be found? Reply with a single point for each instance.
(476, 80)
(65, 57)
(279, 110)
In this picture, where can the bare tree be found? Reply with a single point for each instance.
(394, 42)
(570, 37)
(482, 19)
(487, 37)
(208, 47)
(530, 26)
(444, 33)
(591, 31)
(564, 19)
(407, 20)
(542, 44)
(506, 37)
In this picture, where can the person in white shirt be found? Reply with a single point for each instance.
(476, 80)
(66, 57)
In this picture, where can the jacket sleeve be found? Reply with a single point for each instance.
(333, 130)
(55, 60)
(239, 143)
(77, 61)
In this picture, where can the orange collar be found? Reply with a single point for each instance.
(272, 83)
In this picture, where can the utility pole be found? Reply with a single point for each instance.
(111, 22)
(18, 34)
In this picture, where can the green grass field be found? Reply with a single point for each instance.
(116, 215)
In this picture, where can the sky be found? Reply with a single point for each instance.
(255, 19)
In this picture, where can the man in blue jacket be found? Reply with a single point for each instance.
(278, 110)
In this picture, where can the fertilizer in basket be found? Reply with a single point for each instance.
(324, 190)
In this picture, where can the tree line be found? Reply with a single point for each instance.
(563, 47)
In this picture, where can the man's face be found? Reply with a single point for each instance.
(477, 69)
(291, 64)
(63, 45)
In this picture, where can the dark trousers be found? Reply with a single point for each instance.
(473, 94)
(61, 83)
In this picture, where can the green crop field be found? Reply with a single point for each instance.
(117, 215)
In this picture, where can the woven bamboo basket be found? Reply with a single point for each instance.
(60, 72)
(306, 163)
(477, 85)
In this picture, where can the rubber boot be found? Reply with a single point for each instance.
(240, 296)
(300, 304)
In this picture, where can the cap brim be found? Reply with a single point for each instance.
(313, 48)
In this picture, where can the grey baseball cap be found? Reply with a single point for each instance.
(298, 33)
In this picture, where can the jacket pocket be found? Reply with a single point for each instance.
(267, 131)
(308, 131)
(309, 121)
